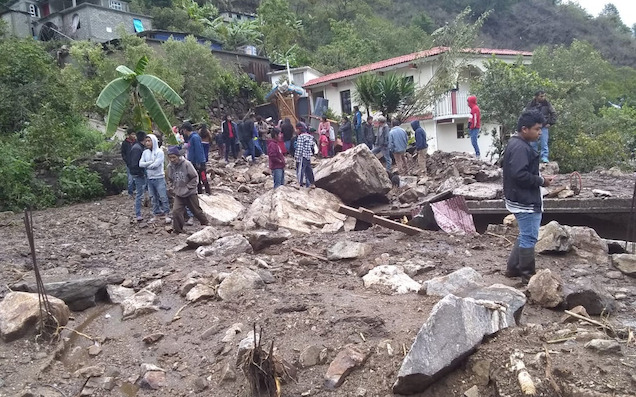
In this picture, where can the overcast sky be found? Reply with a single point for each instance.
(627, 8)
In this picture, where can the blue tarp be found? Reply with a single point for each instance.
(285, 89)
(139, 27)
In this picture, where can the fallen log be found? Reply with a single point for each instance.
(365, 215)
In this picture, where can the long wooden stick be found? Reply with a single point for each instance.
(311, 254)
(589, 320)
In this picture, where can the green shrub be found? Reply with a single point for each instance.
(20, 189)
(79, 184)
(119, 178)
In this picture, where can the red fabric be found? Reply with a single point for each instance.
(275, 155)
(346, 146)
(475, 113)
(324, 145)
(230, 130)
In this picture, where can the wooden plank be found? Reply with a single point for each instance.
(311, 254)
(365, 215)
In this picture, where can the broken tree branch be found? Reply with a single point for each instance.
(311, 254)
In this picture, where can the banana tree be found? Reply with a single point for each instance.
(140, 88)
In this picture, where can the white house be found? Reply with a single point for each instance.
(299, 76)
(445, 123)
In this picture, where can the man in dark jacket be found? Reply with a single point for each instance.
(126, 145)
(196, 155)
(420, 145)
(287, 129)
(138, 173)
(540, 104)
(246, 134)
(522, 190)
(368, 133)
(229, 132)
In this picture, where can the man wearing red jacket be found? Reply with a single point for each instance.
(474, 123)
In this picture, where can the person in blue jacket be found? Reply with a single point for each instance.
(196, 155)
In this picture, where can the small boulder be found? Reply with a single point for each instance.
(205, 236)
(626, 263)
(226, 246)
(546, 289)
(200, 292)
(117, 293)
(587, 293)
(239, 280)
(392, 277)
(345, 362)
(142, 302)
(605, 346)
(457, 283)
(345, 249)
(312, 355)
(260, 239)
(553, 238)
(20, 314)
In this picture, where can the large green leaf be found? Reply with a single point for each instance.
(141, 65)
(125, 70)
(155, 111)
(161, 87)
(116, 110)
(114, 89)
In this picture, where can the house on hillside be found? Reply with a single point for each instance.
(94, 20)
(299, 76)
(446, 122)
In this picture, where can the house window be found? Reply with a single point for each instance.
(116, 5)
(408, 79)
(461, 133)
(299, 79)
(34, 11)
(345, 101)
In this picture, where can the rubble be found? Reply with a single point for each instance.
(353, 175)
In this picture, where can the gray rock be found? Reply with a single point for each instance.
(200, 292)
(479, 191)
(353, 175)
(281, 208)
(20, 314)
(266, 276)
(594, 298)
(94, 371)
(587, 244)
(200, 384)
(188, 285)
(546, 289)
(553, 238)
(408, 196)
(225, 246)
(142, 302)
(78, 294)
(513, 300)
(220, 208)
(345, 362)
(239, 280)
(455, 327)
(392, 277)
(345, 249)
(205, 236)
(260, 239)
(227, 373)
(312, 355)
(607, 346)
(94, 350)
(154, 380)
(472, 392)
(457, 282)
(550, 168)
(626, 263)
(117, 294)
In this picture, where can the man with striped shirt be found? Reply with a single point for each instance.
(522, 190)
(302, 155)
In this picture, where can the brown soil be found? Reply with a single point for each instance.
(335, 310)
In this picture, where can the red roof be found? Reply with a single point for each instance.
(404, 59)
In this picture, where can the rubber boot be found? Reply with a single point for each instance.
(512, 268)
(526, 264)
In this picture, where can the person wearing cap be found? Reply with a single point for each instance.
(184, 179)
(382, 142)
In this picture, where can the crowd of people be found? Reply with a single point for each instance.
(253, 136)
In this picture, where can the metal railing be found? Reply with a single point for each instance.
(444, 106)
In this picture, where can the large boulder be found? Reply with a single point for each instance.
(455, 327)
(79, 294)
(353, 175)
(512, 298)
(20, 313)
(301, 210)
(220, 208)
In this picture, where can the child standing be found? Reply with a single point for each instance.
(324, 144)
(276, 159)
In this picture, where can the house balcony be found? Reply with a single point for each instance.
(452, 105)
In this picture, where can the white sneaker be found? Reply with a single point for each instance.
(190, 222)
(152, 220)
(168, 220)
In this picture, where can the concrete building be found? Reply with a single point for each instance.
(446, 122)
(94, 20)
